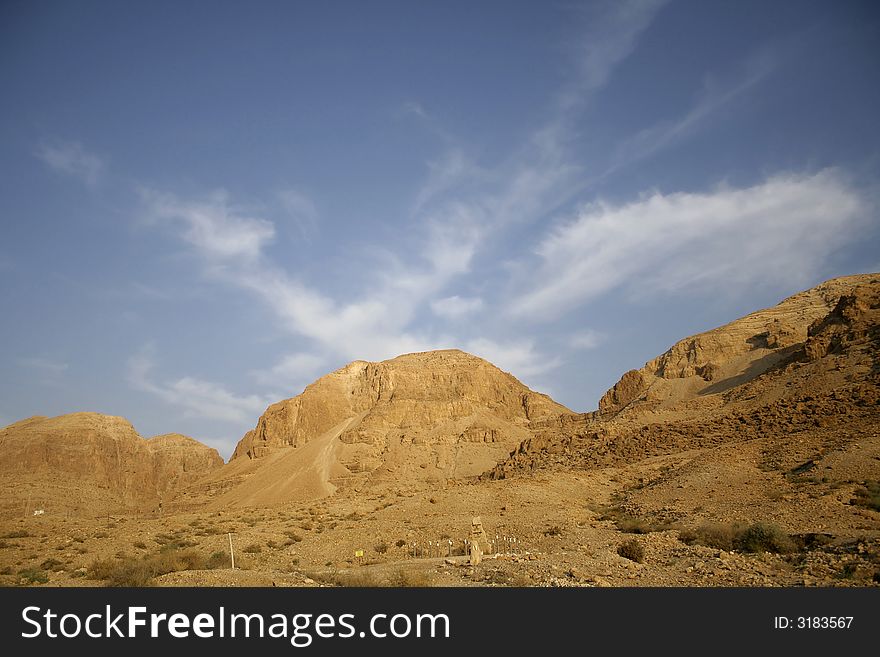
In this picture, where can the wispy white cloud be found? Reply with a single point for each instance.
(292, 372)
(586, 339)
(780, 230)
(301, 209)
(613, 30)
(519, 357)
(44, 366)
(455, 307)
(196, 397)
(72, 159)
(714, 97)
(459, 209)
(217, 230)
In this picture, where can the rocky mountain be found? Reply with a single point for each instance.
(808, 367)
(87, 463)
(419, 417)
(730, 355)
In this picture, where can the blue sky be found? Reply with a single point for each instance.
(207, 205)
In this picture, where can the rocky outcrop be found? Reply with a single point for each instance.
(423, 396)
(822, 376)
(88, 462)
(630, 387)
(732, 354)
(419, 418)
(855, 318)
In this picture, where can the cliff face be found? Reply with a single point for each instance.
(413, 419)
(731, 354)
(88, 462)
(438, 396)
(807, 367)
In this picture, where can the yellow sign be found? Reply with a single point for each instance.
(358, 553)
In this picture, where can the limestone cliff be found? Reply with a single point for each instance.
(420, 417)
(731, 354)
(92, 463)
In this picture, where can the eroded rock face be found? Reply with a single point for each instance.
(424, 417)
(743, 349)
(422, 397)
(88, 462)
(748, 380)
(630, 387)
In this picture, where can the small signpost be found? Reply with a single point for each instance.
(231, 553)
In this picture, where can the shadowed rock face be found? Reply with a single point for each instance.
(93, 463)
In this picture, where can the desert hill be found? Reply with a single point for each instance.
(88, 463)
(807, 367)
(423, 417)
(744, 456)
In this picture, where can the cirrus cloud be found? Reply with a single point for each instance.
(780, 230)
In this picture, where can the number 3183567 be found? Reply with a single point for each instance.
(824, 622)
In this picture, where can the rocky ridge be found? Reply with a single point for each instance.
(92, 463)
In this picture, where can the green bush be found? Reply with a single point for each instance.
(757, 537)
(33, 576)
(763, 537)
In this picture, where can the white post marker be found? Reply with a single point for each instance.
(231, 553)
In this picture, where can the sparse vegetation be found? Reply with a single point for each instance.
(632, 550)
(369, 578)
(400, 543)
(868, 496)
(253, 548)
(134, 571)
(381, 548)
(51, 564)
(140, 545)
(757, 537)
(763, 537)
(33, 576)
(630, 524)
(555, 530)
(16, 534)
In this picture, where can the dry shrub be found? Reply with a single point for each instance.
(133, 571)
(632, 550)
(757, 537)
(369, 578)
(869, 496)
(33, 576)
(16, 534)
